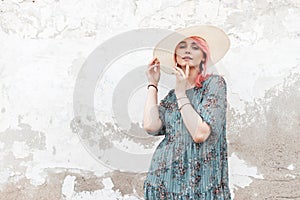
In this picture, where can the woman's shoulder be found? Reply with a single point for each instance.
(171, 92)
(215, 79)
(169, 95)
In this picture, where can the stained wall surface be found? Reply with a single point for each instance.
(52, 148)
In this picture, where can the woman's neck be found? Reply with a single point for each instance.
(192, 77)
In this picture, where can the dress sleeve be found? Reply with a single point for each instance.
(213, 106)
(161, 110)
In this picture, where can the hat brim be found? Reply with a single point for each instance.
(217, 40)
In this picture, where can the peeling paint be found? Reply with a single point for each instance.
(68, 186)
(43, 147)
(270, 141)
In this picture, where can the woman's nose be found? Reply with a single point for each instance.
(187, 51)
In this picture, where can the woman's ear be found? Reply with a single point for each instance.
(201, 65)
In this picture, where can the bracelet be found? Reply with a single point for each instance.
(153, 86)
(183, 105)
(182, 97)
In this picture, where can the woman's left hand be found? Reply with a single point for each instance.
(181, 80)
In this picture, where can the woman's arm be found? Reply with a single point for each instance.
(198, 129)
(151, 121)
(209, 116)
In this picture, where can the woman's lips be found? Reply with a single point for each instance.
(187, 58)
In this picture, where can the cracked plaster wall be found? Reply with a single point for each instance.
(43, 46)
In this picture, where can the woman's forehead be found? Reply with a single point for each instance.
(188, 40)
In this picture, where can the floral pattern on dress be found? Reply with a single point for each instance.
(180, 168)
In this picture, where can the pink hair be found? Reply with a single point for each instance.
(202, 76)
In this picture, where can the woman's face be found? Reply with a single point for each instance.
(188, 52)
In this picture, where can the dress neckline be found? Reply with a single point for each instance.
(195, 87)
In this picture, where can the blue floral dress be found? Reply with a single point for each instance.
(180, 168)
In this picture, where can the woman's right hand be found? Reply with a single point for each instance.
(153, 71)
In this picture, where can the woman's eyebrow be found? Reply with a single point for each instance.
(184, 42)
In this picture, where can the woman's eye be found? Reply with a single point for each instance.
(195, 47)
(181, 47)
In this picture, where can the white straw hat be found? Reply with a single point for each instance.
(217, 40)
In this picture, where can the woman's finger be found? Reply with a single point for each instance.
(174, 71)
(158, 66)
(151, 67)
(152, 61)
(180, 70)
(187, 70)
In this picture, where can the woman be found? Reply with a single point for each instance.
(191, 161)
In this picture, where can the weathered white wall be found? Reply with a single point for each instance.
(44, 45)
